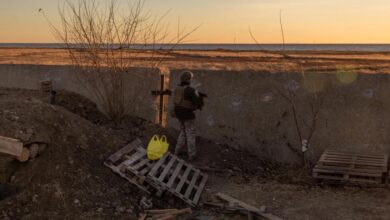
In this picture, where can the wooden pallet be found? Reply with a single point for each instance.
(45, 86)
(131, 163)
(179, 178)
(339, 165)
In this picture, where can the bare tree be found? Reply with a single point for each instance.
(314, 102)
(105, 41)
(305, 123)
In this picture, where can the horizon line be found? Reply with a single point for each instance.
(222, 43)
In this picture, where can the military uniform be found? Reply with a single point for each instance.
(186, 101)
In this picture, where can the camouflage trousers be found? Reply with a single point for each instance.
(187, 136)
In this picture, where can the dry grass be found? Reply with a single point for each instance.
(364, 63)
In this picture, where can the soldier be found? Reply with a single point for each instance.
(186, 100)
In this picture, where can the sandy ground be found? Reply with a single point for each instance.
(304, 202)
(272, 62)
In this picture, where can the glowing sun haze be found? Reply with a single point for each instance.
(228, 21)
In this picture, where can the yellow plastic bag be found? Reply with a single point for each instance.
(164, 142)
(157, 147)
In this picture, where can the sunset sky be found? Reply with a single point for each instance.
(226, 21)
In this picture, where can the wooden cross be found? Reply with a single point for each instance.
(162, 92)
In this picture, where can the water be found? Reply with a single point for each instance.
(237, 47)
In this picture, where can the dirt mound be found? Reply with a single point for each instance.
(68, 179)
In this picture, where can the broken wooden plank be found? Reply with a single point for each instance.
(246, 206)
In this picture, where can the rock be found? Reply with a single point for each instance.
(101, 157)
(237, 169)
(76, 201)
(34, 149)
(120, 209)
(35, 198)
(24, 199)
(30, 131)
(24, 136)
(83, 146)
(100, 210)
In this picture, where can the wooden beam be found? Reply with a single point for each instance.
(10, 146)
(248, 207)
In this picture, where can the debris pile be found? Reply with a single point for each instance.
(67, 180)
(168, 174)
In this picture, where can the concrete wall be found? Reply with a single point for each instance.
(246, 110)
(138, 86)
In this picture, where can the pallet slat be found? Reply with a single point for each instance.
(192, 183)
(200, 189)
(183, 179)
(166, 170)
(132, 164)
(179, 178)
(175, 174)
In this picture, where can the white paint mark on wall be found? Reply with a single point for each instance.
(47, 76)
(210, 120)
(267, 97)
(368, 93)
(237, 103)
(293, 85)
